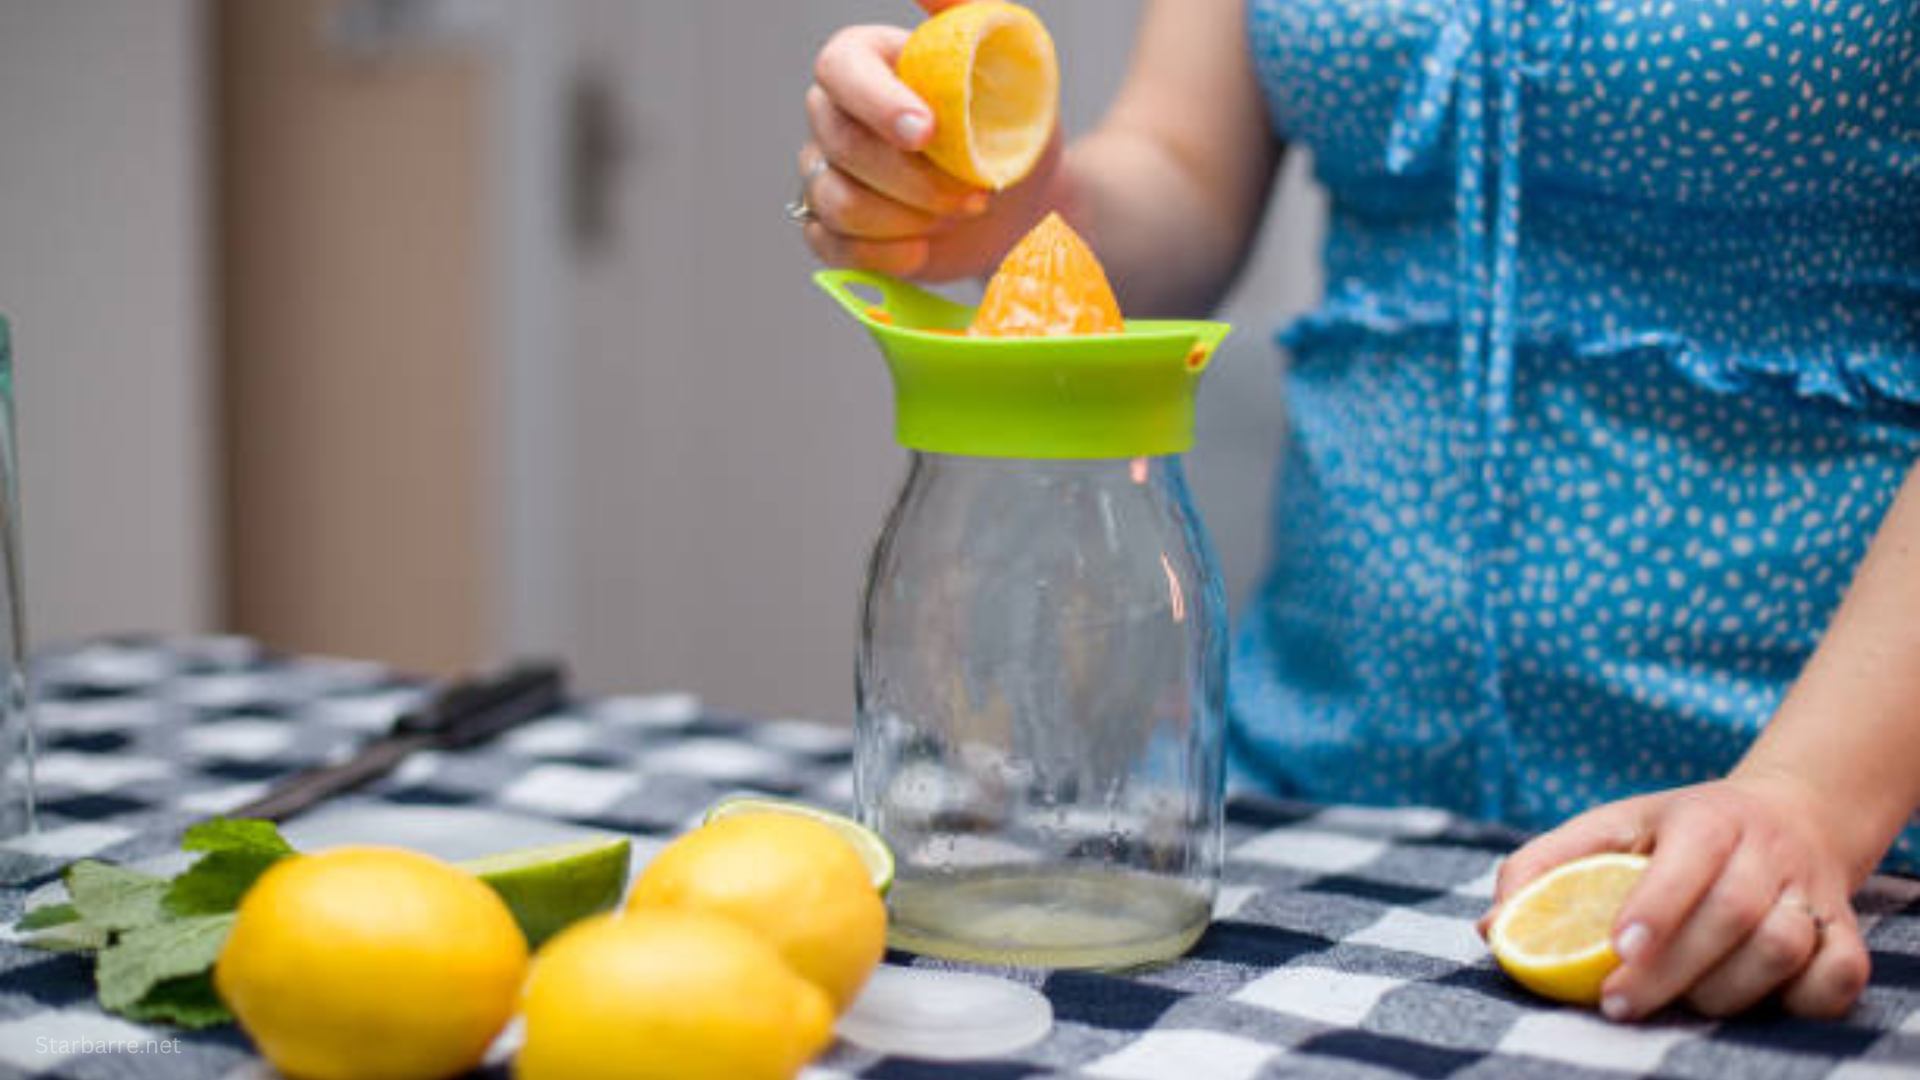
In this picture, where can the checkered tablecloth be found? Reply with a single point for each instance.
(1343, 945)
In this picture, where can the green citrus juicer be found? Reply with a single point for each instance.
(1120, 395)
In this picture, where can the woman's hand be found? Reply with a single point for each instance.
(877, 202)
(1747, 894)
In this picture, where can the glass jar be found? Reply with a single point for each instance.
(1040, 683)
(1042, 663)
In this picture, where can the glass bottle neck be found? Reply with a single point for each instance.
(1161, 470)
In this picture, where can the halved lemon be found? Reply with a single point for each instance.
(866, 843)
(1555, 937)
(988, 71)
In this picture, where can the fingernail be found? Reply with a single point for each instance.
(1615, 1007)
(910, 127)
(974, 204)
(1631, 941)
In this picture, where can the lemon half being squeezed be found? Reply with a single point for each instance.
(988, 71)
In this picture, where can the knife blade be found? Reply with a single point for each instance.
(463, 714)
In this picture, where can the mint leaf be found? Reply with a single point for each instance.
(187, 1000)
(76, 936)
(238, 850)
(216, 883)
(236, 834)
(61, 928)
(157, 939)
(48, 915)
(141, 958)
(113, 897)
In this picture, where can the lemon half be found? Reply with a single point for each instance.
(988, 71)
(1555, 937)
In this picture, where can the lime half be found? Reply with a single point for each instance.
(872, 850)
(548, 888)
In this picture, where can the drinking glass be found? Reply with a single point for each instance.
(16, 722)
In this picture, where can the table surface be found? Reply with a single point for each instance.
(1343, 944)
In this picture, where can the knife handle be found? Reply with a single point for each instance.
(473, 712)
(461, 715)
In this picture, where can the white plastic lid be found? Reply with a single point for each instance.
(945, 1015)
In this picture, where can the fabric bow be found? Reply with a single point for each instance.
(1477, 65)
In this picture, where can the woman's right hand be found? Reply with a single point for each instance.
(878, 203)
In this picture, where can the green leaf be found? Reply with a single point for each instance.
(48, 915)
(188, 1001)
(216, 883)
(61, 928)
(141, 958)
(76, 936)
(113, 897)
(236, 834)
(158, 939)
(238, 850)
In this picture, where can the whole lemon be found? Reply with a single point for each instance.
(667, 995)
(791, 880)
(368, 962)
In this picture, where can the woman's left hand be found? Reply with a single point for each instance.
(1748, 893)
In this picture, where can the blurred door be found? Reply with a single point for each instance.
(355, 270)
(727, 437)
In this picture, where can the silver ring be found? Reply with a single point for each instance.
(1801, 904)
(800, 210)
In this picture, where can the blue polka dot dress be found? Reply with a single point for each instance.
(1618, 371)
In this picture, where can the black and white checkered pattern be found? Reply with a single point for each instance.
(1343, 947)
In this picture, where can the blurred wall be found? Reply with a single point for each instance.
(708, 438)
(103, 259)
